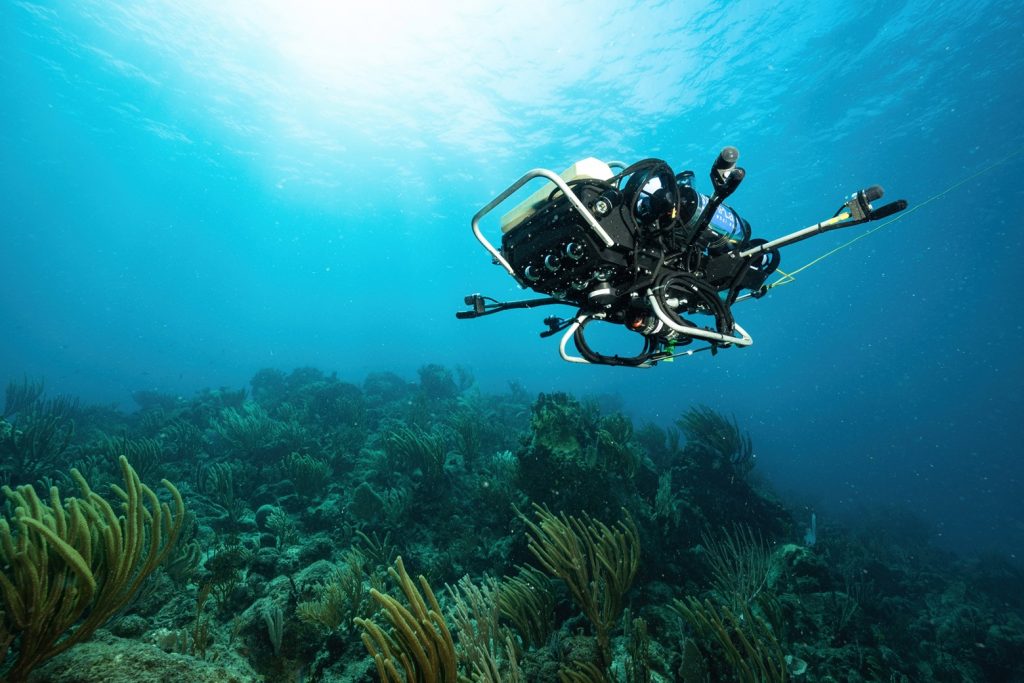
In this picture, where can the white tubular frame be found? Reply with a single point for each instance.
(690, 331)
(565, 341)
(566, 190)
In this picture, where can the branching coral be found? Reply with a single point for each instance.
(218, 483)
(419, 646)
(33, 444)
(598, 564)
(66, 566)
(738, 626)
(341, 597)
(745, 640)
(249, 431)
(527, 601)
(21, 396)
(582, 672)
(144, 453)
(616, 449)
(740, 563)
(717, 438)
(415, 449)
(309, 474)
(486, 648)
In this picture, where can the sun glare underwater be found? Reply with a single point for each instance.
(751, 410)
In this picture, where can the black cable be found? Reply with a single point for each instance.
(706, 295)
(601, 185)
(591, 356)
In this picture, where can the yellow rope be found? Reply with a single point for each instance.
(790, 277)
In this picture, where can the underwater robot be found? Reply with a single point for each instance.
(639, 246)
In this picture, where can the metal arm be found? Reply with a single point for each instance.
(800, 235)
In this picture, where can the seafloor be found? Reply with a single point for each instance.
(426, 531)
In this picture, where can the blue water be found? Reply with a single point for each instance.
(193, 191)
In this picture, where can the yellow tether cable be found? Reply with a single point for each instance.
(789, 277)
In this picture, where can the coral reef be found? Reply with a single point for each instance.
(552, 540)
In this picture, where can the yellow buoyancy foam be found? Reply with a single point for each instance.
(587, 169)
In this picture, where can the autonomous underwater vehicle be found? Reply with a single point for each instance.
(643, 248)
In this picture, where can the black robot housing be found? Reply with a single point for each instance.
(644, 249)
